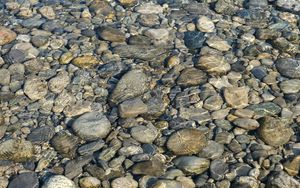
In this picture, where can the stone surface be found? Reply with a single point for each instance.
(267, 108)
(236, 97)
(213, 64)
(290, 86)
(58, 83)
(89, 182)
(16, 150)
(144, 134)
(191, 77)
(111, 34)
(149, 8)
(248, 124)
(6, 35)
(86, 61)
(192, 164)
(193, 39)
(204, 24)
(35, 88)
(132, 108)
(282, 180)
(92, 126)
(25, 180)
(132, 84)
(186, 142)
(124, 181)
(4, 77)
(58, 181)
(288, 67)
(274, 131)
(217, 43)
(289, 5)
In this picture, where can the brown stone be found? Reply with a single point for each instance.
(236, 97)
(6, 35)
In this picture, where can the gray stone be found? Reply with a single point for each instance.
(58, 181)
(132, 108)
(288, 67)
(218, 43)
(90, 148)
(124, 182)
(193, 39)
(192, 164)
(149, 8)
(58, 83)
(92, 126)
(204, 24)
(236, 97)
(111, 34)
(132, 84)
(4, 77)
(266, 108)
(290, 86)
(35, 88)
(144, 134)
(196, 114)
(213, 150)
(21, 52)
(191, 77)
(248, 124)
(289, 5)
(218, 169)
(25, 180)
(282, 180)
(41, 134)
(213, 64)
(73, 167)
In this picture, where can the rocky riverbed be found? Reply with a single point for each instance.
(149, 93)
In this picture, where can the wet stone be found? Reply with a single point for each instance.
(6, 35)
(41, 134)
(74, 167)
(90, 148)
(236, 97)
(212, 150)
(196, 114)
(58, 181)
(25, 180)
(192, 164)
(282, 180)
(4, 77)
(111, 34)
(89, 182)
(144, 134)
(213, 64)
(152, 168)
(290, 86)
(248, 124)
(288, 67)
(204, 24)
(132, 108)
(86, 61)
(194, 39)
(191, 77)
(217, 43)
(267, 108)
(124, 181)
(218, 168)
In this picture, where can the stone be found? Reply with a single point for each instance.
(191, 77)
(149, 8)
(58, 181)
(213, 103)
(192, 164)
(152, 167)
(290, 86)
(212, 150)
(6, 35)
(204, 24)
(66, 58)
(16, 150)
(86, 61)
(218, 168)
(92, 126)
(282, 180)
(4, 182)
(132, 108)
(4, 77)
(144, 134)
(58, 83)
(25, 180)
(245, 123)
(47, 12)
(91, 147)
(35, 88)
(218, 44)
(111, 34)
(124, 182)
(266, 108)
(246, 181)
(65, 144)
(39, 41)
(21, 52)
(164, 183)
(213, 64)
(274, 131)
(288, 67)
(226, 7)
(89, 182)
(145, 53)
(289, 5)
(236, 97)
(41, 134)
(196, 114)
(128, 3)
(99, 7)
(150, 20)
(132, 84)
(193, 39)
(186, 142)
(159, 36)
(73, 168)
(292, 166)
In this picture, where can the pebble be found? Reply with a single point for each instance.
(41, 134)
(218, 168)
(144, 134)
(89, 182)
(124, 181)
(288, 67)
(16, 150)
(236, 97)
(132, 84)
(274, 131)
(192, 164)
(196, 114)
(153, 167)
(159, 36)
(86, 61)
(4, 77)
(111, 34)
(167, 183)
(193, 39)
(149, 8)
(212, 150)
(58, 83)
(248, 124)
(186, 142)
(58, 181)
(218, 44)
(213, 64)
(191, 77)
(47, 12)
(282, 180)
(292, 166)
(132, 108)
(266, 108)
(6, 35)
(35, 88)
(290, 86)
(289, 5)
(204, 24)
(3, 182)
(25, 180)
(21, 52)
(92, 126)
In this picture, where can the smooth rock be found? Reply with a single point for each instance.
(214, 64)
(128, 3)
(289, 5)
(218, 169)
(58, 181)
(35, 88)
(204, 24)
(47, 12)
(92, 126)
(282, 180)
(288, 67)
(290, 86)
(159, 36)
(58, 83)
(153, 168)
(132, 108)
(218, 43)
(21, 52)
(6, 35)
(186, 142)
(196, 114)
(192, 164)
(124, 182)
(245, 123)
(266, 108)
(149, 8)
(41, 134)
(212, 150)
(89, 182)
(111, 34)
(292, 166)
(144, 134)
(236, 97)
(191, 77)
(4, 77)
(86, 61)
(132, 84)
(274, 131)
(167, 183)
(25, 180)
(16, 150)
(193, 39)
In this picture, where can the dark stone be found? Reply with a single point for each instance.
(266, 108)
(259, 72)
(41, 134)
(90, 148)
(74, 167)
(217, 169)
(288, 67)
(194, 39)
(25, 180)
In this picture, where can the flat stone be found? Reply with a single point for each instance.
(111, 34)
(196, 114)
(25, 180)
(6, 35)
(282, 180)
(132, 108)
(39, 41)
(159, 36)
(86, 61)
(132, 84)
(167, 183)
(236, 97)
(292, 166)
(144, 134)
(41, 134)
(100, 7)
(92, 126)
(47, 12)
(186, 142)
(124, 182)
(266, 108)
(191, 77)
(214, 64)
(218, 169)
(212, 150)
(89, 182)
(4, 77)
(128, 3)
(288, 67)
(194, 39)
(73, 167)
(149, 8)
(21, 52)
(289, 5)
(248, 124)
(35, 88)
(192, 164)
(139, 52)
(290, 86)
(58, 181)
(218, 43)
(274, 131)
(58, 83)
(152, 168)
(213, 103)
(204, 24)
(91, 147)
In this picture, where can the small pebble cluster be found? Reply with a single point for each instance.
(149, 94)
